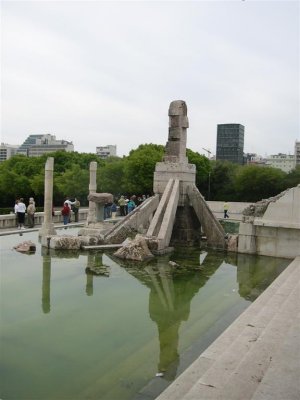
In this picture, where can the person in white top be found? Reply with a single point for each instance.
(21, 209)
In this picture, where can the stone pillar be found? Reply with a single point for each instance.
(48, 226)
(92, 214)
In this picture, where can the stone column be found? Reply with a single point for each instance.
(92, 214)
(48, 226)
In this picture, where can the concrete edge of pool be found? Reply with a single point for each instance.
(257, 357)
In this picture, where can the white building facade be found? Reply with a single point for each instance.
(106, 151)
(285, 162)
(7, 151)
(37, 145)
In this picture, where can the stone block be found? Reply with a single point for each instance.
(65, 242)
(247, 229)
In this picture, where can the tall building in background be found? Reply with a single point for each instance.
(36, 145)
(106, 151)
(230, 143)
(7, 151)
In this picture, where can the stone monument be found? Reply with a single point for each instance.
(48, 226)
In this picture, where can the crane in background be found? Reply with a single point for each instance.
(208, 152)
(208, 156)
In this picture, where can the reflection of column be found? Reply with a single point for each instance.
(89, 285)
(48, 226)
(46, 284)
(89, 277)
(92, 217)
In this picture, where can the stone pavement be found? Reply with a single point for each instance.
(257, 357)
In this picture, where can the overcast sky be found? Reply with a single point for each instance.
(98, 73)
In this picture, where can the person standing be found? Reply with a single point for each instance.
(21, 209)
(131, 205)
(70, 204)
(122, 204)
(16, 211)
(75, 208)
(226, 208)
(30, 213)
(65, 212)
(113, 210)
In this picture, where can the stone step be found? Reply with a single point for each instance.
(243, 324)
(282, 378)
(238, 372)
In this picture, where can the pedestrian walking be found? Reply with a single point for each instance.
(226, 208)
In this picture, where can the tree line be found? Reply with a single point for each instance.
(22, 176)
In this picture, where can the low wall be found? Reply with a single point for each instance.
(10, 220)
(235, 213)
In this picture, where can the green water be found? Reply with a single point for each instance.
(67, 334)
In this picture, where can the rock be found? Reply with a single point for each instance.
(65, 242)
(90, 240)
(173, 264)
(232, 243)
(101, 198)
(99, 271)
(26, 247)
(136, 250)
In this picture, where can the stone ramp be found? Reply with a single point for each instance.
(211, 226)
(162, 223)
(257, 357)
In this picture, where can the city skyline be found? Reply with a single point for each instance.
(100, 73)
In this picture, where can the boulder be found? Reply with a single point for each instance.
(26, 247)
(136, 250)
(232, 243)
(65, 242)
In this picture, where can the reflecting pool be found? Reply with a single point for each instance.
(68, 333)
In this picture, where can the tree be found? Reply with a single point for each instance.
(203, 169)
(72, 183)
(222, 180)
(110, 177)
(254, 183)
(292, 179)
(139, 168)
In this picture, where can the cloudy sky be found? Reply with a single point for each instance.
(104, 72)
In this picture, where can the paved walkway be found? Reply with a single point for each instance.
(257, 357)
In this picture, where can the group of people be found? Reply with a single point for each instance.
(129, 204)
(20, 210)
(67, 209)
(125, 204)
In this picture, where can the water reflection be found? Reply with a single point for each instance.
(46, 284)
(95, 267)
(173, 281)
(172, 289)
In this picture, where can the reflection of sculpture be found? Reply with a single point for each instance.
(169, 301)
(46, 283)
